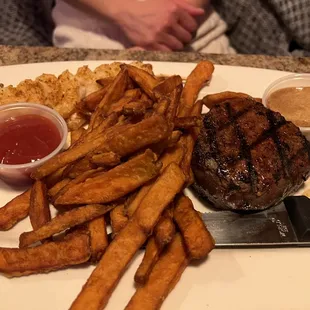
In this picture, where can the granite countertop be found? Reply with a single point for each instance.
(19, 55)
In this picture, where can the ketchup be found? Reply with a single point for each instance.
(27, 138)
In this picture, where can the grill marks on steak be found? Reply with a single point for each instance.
(248, 157)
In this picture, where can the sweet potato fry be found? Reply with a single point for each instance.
(169, 143)
(123, 140)
(108, 159)
(55, 177)
(173, 176)
(173, 106)
(162, 279)
(115, 91)
(55, 167)
(161, 106)
(118, 219)
(211, 100)
(174, 138)
(105, 81)
(151, 256)
(178, 275)
(87, 174)
(123, 120)
(90, 102)
(39, 211)
(197, 108)
(188, 141)
(145, 97)
(76, 121)
(200, 75)
(189, 144)
(129, 138)
(79, 179)
(173, 155)
(114, 183)
(106, 123)
(57, 187)
(199, 242)
(167, 86)
(163, 234)
(164, 231)
(137, 107)
(187, 122)
(98, 238)
(170, 115)
(169, 212)
(134, 204)
(62, 222)
(130, 95)
(97, 121)
(15, 210)
(73, 250)
(67, 157)
(77, 134)
(161, 77)
(144, 79)
(78, 167)
(196, 112)
(98, 288)
(129, 199)
(131, 84)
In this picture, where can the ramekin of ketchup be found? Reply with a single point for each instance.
(30, 134)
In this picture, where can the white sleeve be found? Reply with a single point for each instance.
(211, 37)
(69, 36)
(78, 28)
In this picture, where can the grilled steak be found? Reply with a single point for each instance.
(248, 157)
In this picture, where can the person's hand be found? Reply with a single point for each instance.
(199, 3)
(156, 24)
(136, 48)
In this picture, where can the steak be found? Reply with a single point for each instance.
(248, 157)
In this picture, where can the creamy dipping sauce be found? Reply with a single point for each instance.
(293, 103)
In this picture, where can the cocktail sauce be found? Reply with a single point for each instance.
(27, 138)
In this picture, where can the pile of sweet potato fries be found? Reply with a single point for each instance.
(128, 170)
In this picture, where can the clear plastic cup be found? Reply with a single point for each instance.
(291, 80)
(19, 175)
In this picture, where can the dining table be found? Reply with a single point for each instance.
(14, 55)
(248, 279)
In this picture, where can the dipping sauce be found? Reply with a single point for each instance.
(293, 103)
(27, 138)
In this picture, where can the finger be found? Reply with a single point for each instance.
(170, 41)
(158, 47)
(136, 48)
(180, 33)
(192, 10)
(187, 21)
(163, 48)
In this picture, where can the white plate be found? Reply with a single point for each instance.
(276, 279)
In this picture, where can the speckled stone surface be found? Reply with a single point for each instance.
(20, 55)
